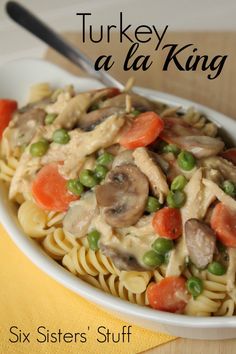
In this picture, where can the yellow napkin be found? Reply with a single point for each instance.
(29, 299)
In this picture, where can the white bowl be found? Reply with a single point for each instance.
(16, 78)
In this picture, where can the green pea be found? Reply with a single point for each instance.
(229, 188)
(176, 199)
(61, 136)
(136, 112)
(153, 259)
(49, 119)
(178, 183)
(152, 205)
(172, 148)
(88, 179)
(100, 171)
(105, 159)
(162, 245)
(75, 187)
(216, 268)
(186, 161)
(93, 238)
(39, 148)
(195, 286)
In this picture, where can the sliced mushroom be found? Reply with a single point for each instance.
(79, 215)
(26, 124)
(124, 195)
(200, 242)
(140, 103)
(38, 104)
(100, 95)
(122, 260)
(89, 120)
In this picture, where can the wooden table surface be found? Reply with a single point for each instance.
(219, 94)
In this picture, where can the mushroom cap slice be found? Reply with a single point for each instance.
(122, 260)
(123, 196)
(26, 124)
(90, 120)
(200, 242)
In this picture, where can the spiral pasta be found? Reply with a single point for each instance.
(84, 261)
(39, 92)
(57, 244)
(54, 218)
(212, 298)
(197, 120)
(8, 168)
(33, 220)
(112, 284)
(226, 309)
(135, 282)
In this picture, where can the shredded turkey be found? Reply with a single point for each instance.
(150, 168)
(73, 110)
(90, 142)
(225, 167)
(220, 194)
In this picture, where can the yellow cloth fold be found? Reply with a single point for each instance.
(29, 299)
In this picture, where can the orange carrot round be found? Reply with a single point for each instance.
(170, 294)
(167, 223)
(223, 222)
(143, 131)
(49, 189)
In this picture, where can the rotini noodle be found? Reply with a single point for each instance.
(33, 220)
(39, 92)
(135, 282)
(57, 244)
(114, 286)
(7, 169)
(84, 261)
(54, 218)
(197, 120)
(210, 301)
(226, 309)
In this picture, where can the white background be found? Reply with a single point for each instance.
(198, 15)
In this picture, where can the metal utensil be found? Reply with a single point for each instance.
(29, 21)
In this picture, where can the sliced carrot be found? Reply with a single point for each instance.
(167, 223)
(223, 222)
(49, 189)
(230, 155)
(170, 294)
(7, 108)
(143, 131)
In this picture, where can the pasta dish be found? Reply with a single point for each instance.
(133, 196)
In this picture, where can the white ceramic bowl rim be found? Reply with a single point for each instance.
(57, 272)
